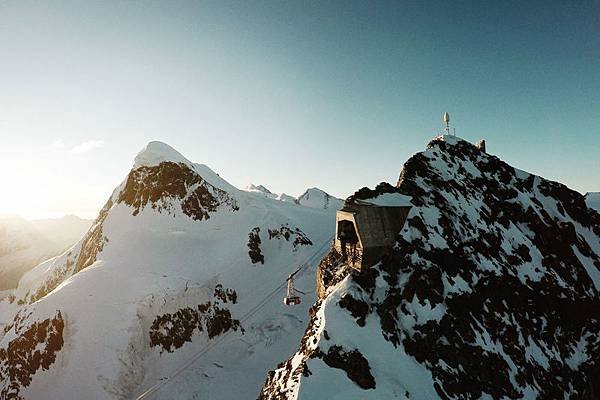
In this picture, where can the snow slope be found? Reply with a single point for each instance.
(492, 291)
(24, 244)
(174, 292)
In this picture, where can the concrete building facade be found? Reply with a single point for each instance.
(365, 232)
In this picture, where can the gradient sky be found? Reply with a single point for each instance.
(288, 94)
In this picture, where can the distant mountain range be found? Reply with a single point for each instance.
(24, 244)
(312, 197)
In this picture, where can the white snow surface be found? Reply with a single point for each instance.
(156, 263)
(157, 152)
(389, 200)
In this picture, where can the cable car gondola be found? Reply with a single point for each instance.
(291, 298)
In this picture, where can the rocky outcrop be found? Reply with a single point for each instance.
(254, 242)
(167, 184)
(285, 232)
(34, 348)
(352, 362)
(172, 330)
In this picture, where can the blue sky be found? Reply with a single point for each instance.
(288, 94)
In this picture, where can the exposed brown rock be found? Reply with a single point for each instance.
(34, 348)
(172, 330)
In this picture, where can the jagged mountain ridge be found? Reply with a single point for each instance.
(177, 261)
(312, 197)
(490, 292)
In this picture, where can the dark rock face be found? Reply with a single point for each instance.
(549, 302)
(492, 287)
(171, 331)
(352, 362)
(254, 242)
(34, 348)
(162, 185)
(358, 308)
(287, 233)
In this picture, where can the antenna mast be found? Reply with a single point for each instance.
(447, 123)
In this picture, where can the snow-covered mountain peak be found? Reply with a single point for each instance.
(177, 260)
(287, 198)
(157, 152)
(317, 198)
(260, 189)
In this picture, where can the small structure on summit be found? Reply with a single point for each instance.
(446, 119)
(481, 145)
(367, 229)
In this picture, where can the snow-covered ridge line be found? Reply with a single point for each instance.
(157, 152)
(492, 291)
(312, 197)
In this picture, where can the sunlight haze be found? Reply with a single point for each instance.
(336, 95)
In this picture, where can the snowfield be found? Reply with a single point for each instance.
(162, 297)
